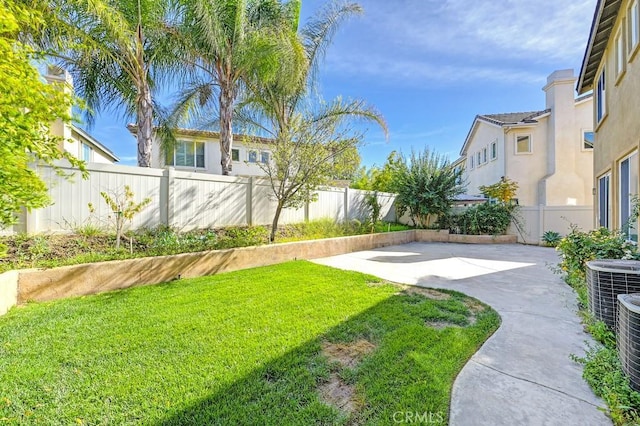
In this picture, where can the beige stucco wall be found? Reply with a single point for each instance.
(618, 134)
(490, 172)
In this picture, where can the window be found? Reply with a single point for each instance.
(628, 189)
(587, 139)
(264, 157)
(604, 200)
(478, 158)
(235, 154)
(472, 162)
(633, 30)
(523, 144)
(86, 153)
(494, 150)
(620, 53)
(253, 156)
(188, 154)
(601, 98)
(484, 155)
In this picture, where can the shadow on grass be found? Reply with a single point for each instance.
(411, 370)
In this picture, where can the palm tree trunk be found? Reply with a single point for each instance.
(145, 126)
(227, 96)
(274, 224)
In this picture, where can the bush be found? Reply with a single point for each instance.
(483, 219)
(551, 238)
(579, 247)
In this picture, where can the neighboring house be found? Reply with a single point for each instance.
(611, 69)
(547, 152)
(76, 141)
(199, 151)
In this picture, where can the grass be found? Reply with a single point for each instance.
(90, 244)
(238, 348)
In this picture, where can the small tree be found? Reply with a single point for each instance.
(503, 191)
(427, 185)
(124, 208)
(27, 107)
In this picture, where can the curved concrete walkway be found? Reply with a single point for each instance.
(523, 374)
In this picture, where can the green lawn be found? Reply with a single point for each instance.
(238, 348)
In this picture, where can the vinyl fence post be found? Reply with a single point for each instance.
(346, 204)
(249, 201)
(171, 201)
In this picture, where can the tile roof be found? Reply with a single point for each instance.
(513, 117)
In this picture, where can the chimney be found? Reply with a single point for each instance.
(559, 89)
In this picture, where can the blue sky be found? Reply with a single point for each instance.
(429, 66)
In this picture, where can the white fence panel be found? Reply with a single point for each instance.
(206, 201)
(71, 197)
(330, 204)
(536, 221)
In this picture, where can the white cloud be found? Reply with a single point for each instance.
(461, 40)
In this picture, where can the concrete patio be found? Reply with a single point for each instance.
(523, 374)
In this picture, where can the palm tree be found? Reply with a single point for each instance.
(113, 48)
(225, 43)
(310, 142)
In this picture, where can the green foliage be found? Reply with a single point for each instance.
(231, 347)
(378, 179)
(28, 106)
(481, 219)
(503, 191)
(579, 247)
(427, 185)
(374, 206)
(551, 238)
(124, 209)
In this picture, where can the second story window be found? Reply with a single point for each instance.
(253, 156)
(620, 53)
(188, 154)
(479, 158)
(472, 164)
(601, 98)
(484, 155)
(633, 29)
(523, 144)
(264, 157)
(587, 140)
(494, 150)
(235, 154)
(86, 153)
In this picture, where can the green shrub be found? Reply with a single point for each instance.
(579, 247)
(482, 219)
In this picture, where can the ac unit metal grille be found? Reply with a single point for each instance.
(606, 279)
(628, 337)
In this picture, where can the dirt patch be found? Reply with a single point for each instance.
(347, 354)
(439, 325)
(427, 292)
(340, 395)
(475, 308)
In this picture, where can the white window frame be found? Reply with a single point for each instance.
(601, 96)
(633, 28)
(262, 154)
(472, 163)
(485, 157)
(493, 150)
(621, 196)
(606, 209)
(583, 140)
(173, 162)
(84, 149)
(235, 150)
(620, 52)
(515, 142)
(256, 153)
(479, 158)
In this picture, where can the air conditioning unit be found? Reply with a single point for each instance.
(628, 337)
(606, 279)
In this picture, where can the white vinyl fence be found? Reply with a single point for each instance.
(183, 200)
(536, 221)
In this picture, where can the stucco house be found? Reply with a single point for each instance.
(198, 151)
(611, 69)
(76, 141)
(548, 152)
